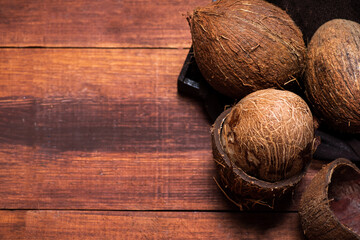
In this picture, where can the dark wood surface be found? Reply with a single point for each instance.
(148, 225)
(107, 23)
(95, 141)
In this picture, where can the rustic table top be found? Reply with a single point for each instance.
(96, 142)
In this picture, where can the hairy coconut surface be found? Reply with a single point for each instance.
(333, 75)
(330, 205)
(242, 46)
(244, 190)
(269, 134)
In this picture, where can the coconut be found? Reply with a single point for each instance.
(333, 75)
(263, 145)
(246, 45)
(330, 206)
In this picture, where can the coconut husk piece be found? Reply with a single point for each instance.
(330, 206)
(244, 190)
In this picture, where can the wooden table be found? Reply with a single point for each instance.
(96, 142)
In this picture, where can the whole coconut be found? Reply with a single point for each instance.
(333, 75)
(269, 134)
(242, 46)
(262, 146)
(330, 205)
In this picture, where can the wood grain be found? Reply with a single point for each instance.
(80, 129)
(46, 179)
(112, 181)
(106, 100)
(148, 225)
(107, 23)
(90, 73)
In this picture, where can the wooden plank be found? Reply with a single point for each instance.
(148, 225)
(103, 129)
(90, 73)
(107, 23)
(112, 181)
(71, 124)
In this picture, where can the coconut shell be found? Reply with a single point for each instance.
(269, 134)
(242, 46)
(330, 206)
(244, 190)
(333, 75)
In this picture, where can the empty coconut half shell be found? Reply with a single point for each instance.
(244, 190)
(330, 205)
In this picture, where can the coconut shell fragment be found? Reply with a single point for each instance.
(246, 188)
(330, 206)
(333, 75)
(242, 46)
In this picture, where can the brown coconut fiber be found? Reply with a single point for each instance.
(241, 46)
(333, 75)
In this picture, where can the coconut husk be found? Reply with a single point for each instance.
(330, 205)
(266, 133)
(244, 190)
(242, 46)
(333, 75)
